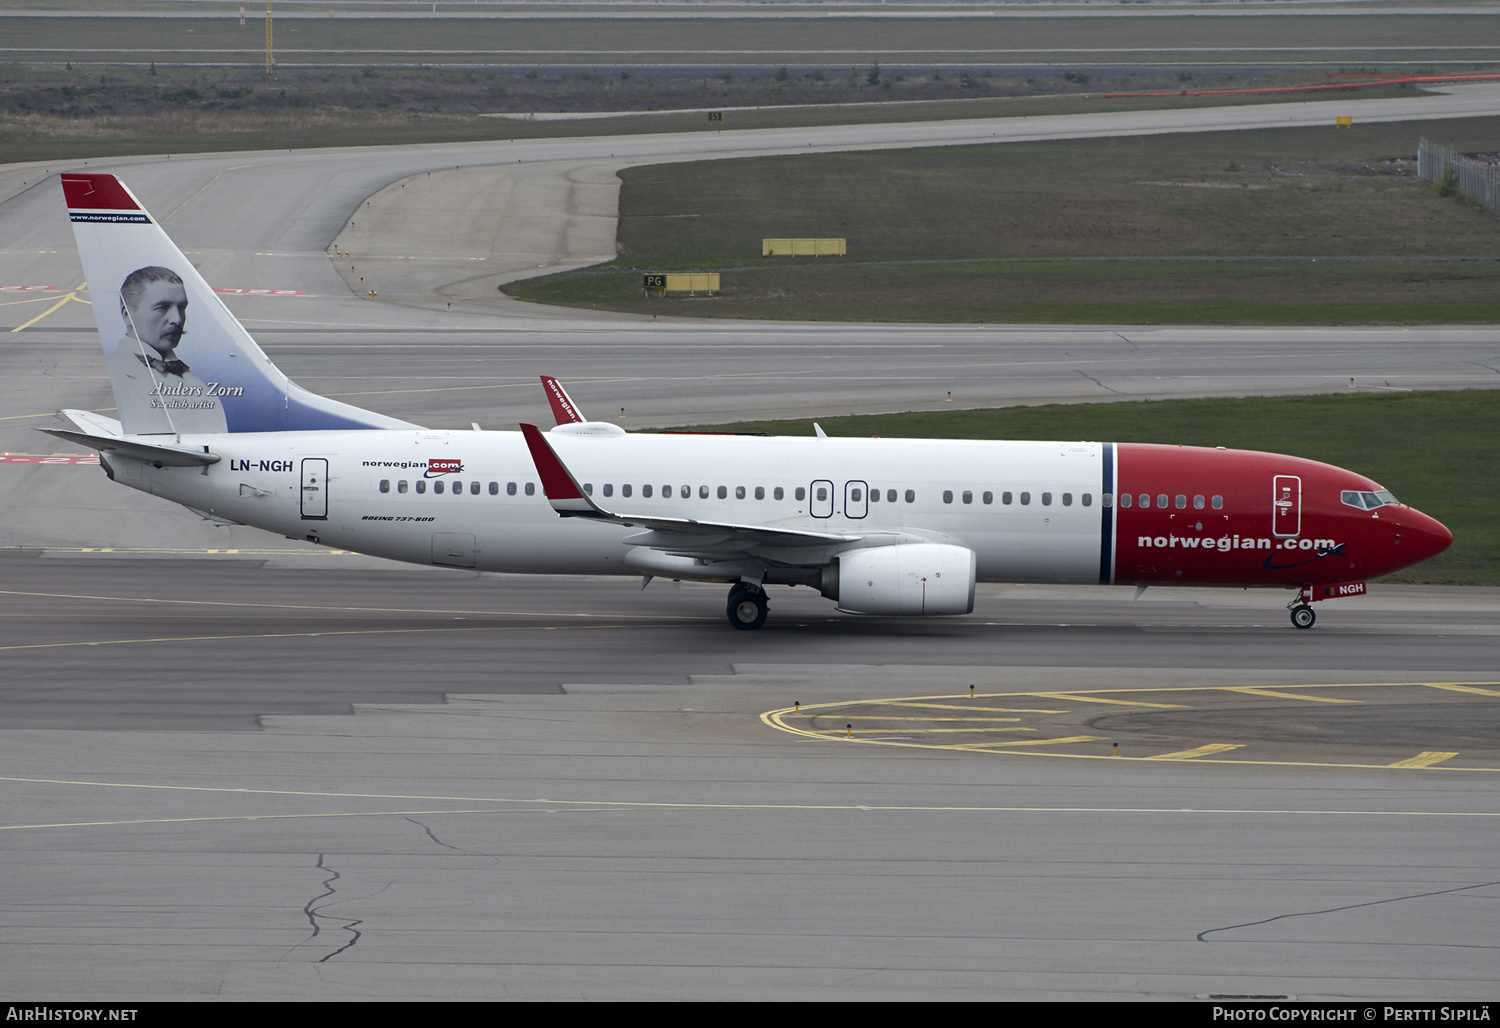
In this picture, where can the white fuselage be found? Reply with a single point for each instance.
(491, 514)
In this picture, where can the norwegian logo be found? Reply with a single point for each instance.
(439, 466)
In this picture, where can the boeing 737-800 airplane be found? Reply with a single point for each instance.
(880, 526)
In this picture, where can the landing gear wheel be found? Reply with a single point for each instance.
(747, 608)
(1303, 616)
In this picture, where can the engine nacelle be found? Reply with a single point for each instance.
(906, 580)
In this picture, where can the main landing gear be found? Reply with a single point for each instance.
(747, 607)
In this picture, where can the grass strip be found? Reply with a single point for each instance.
(1197, 228)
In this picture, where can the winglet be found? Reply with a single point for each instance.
(563, 408)
(563, 491)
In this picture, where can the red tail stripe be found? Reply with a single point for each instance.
(96, 193)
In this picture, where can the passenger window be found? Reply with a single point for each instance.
(874, 495)
(401, 486)
(530, 488)
(890, 496)
(854, 495)
(723, 493)
(739, 492)
(1181, 502)
(421, 486)
(510, 488)
(646, 491)
(1046, 499)
(1025, 499)
(988, 497)
(1161, 501)
(1218, 502)
(703, 492)
(1198, 502)
(385, 485)
(968, 496)
(625, 490)
(1006, 497)
(686, 492)
(947, 495)
(609, 488)
(1067, 499)
(778, 493)
(1124, 499)
(822, 493)
(1145, 500)
(588, 489)
(1089, 500)
(495, 488)
(760, 492)
(911, 496)
(437, 487)
(801, 493)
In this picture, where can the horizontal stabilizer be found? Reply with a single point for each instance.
(150, 453)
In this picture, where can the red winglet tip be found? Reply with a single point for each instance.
(562, 405)
(557, 484)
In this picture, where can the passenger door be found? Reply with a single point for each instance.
(1286, 506)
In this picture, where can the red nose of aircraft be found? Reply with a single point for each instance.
(1419, 536)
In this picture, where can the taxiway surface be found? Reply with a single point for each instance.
(234, 781)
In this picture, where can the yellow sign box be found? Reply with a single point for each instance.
(1344, 121)
(695, 283)
(802, 247)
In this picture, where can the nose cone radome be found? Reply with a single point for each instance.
(1421, 536)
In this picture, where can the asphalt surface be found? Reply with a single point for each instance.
(223, 780)
(300, 774)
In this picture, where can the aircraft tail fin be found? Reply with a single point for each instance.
(172, 371)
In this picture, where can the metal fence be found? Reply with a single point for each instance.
(1477, 179)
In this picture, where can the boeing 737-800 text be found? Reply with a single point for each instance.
(881, 526)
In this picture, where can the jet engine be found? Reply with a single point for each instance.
(908, 579)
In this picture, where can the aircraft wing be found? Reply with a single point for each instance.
(684, 536)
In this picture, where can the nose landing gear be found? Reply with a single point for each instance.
(1301, 608)
(747, 607)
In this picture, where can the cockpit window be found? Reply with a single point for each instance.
(1367, 501)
